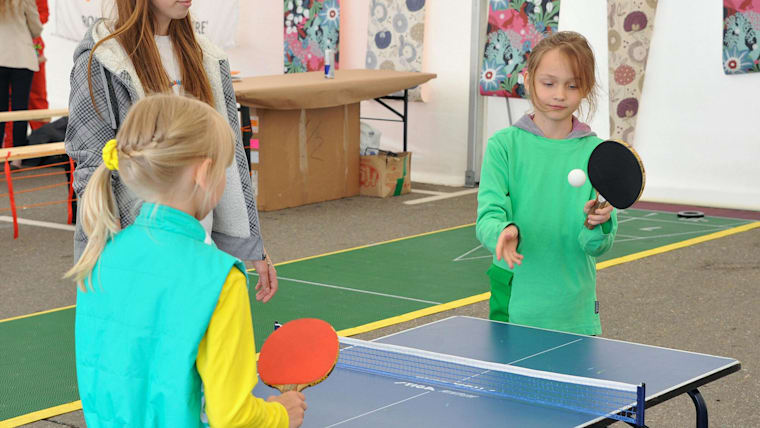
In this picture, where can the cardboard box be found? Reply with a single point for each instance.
(385, 174)
(307, 155)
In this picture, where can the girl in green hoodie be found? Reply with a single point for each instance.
(529, 217)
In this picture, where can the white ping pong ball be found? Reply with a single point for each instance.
(576, 178)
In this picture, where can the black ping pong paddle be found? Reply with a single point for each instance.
(616, 172)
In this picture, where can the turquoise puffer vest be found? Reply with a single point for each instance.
(139, 325)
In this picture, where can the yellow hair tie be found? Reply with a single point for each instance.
(110, 157)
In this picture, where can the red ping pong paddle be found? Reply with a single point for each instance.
(299, 354)
(616, 172)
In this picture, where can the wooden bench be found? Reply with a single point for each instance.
(35, 151)
(26, 115)
(30, 152)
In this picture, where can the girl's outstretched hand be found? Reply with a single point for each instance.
(506, 246)
(599, 216)
(267, 285)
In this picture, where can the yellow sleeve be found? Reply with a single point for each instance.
(226, 362)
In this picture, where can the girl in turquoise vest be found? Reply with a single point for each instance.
(529, 217)
(164, 336)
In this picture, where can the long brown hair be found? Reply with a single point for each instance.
(134, 30)
(576, 48)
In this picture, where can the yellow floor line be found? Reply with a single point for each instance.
(414, 315)
(677, 245)
(41, 414)
(37, 313)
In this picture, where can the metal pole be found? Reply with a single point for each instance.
(476, 102)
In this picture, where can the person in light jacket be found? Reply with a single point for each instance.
(19, 24)
(150, 47)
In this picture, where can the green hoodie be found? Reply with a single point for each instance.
(524, 182)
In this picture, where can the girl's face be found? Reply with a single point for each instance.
(556, 87)
(166, 10)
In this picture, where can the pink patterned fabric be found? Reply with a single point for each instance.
(514, 28)
(311, 27)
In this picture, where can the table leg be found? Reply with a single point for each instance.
(245, 127)
(701, 408)
(406, 114)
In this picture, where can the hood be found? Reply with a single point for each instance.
(579, 130)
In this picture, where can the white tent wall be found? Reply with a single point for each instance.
(437, 130)
(697, 131)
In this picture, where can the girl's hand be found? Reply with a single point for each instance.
(601, 215)
(506, 246)
(295, 404)
(267, 285)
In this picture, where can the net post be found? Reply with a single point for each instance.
(641, 398)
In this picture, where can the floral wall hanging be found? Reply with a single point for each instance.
(741, 36)
(514, 28)
(311, 27)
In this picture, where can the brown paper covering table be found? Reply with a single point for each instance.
(308, 131)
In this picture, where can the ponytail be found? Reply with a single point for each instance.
(99, 217)
(161, 137)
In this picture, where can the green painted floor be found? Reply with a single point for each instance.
(348, 289)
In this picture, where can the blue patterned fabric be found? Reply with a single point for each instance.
(396, 37)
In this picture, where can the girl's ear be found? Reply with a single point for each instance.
(527, 82)
(201, 173)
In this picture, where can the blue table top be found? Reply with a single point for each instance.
(351, 399)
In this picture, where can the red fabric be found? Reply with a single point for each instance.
(9, 180)
(42, 8)
(38, 94)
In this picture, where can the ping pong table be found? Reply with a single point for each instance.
(355, 399)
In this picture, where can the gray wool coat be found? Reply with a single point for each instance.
(234, 223)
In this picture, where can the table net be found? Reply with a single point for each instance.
(615, 400)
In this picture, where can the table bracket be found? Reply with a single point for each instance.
(404, 116)
(701, 407)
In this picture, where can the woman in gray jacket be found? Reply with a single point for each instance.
(151, 48)
(19, 24)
